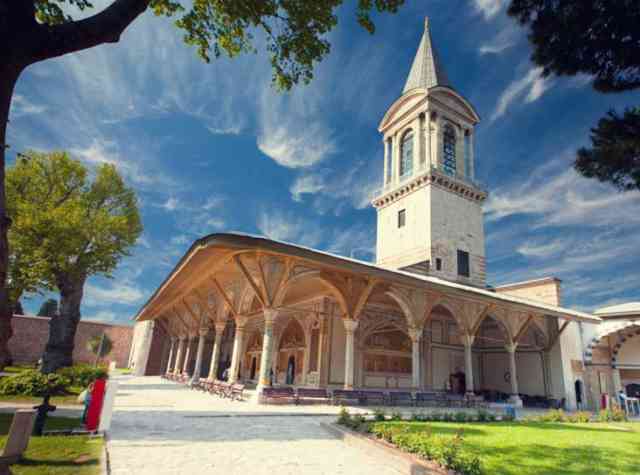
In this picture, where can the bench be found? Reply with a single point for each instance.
(372, 397)
(312, 394)
(236, 392)
(454, 400)
(397, 398)
(428, 399)
(278, 393)
(18, 438)
(343, 395)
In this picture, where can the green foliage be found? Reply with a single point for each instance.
(581, 417)
(396, 416)
(64, 225)
(33, 383)
(449, 452)
(614, 155)
(460, 416)
(294, 32)
(600, 39)
(344, 418)
(482, 415)
(379, 415)
(612, 415)
(82, 375)
(558, 415)
(49, 308)
(100, 343)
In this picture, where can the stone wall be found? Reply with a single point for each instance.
(30, 335)
(545, 290)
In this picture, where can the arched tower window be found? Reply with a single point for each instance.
(449, 150)
(406, 154)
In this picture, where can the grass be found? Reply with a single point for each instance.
(70, 399)
(57, 455)
(547, 448)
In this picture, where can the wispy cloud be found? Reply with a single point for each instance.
(505, 39)
(489, 8)
(117, 293)
(21, 106)
(171, 204)
(538, 249)
(530, 87)
(283, 226)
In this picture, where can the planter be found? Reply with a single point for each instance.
(401, 461)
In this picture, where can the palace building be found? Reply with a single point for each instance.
(421, 318)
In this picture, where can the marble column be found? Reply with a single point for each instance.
(187, 357)
(215, 353)
(617, 381)
(238, 343)
(468, 363)
(350, 327)
(416, 338)
(511, 351)
(177, 365)
(548, 377)
(323, 373)
(171, 354)
(202, 334)
(266, 358)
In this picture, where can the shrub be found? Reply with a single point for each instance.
(396, 416)
(83, 375)
(344, 418)
(449, 452)
(460, 416)
(612, 415)
(579, 417)
(482, 415)
(379, 415)
(492, 417)
(416, 416)
(33, 383)
(358, 423)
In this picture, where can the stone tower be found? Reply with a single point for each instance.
(430, 207)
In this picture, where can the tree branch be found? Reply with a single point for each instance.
(105, 27)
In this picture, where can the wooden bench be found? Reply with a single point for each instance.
(18, 439)
(373, 397)
(397, 398)
(236, 392)
(278, 393)
(428, 399)
(311, 394)
(342, 395)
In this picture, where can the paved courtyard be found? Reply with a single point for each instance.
(161, 427)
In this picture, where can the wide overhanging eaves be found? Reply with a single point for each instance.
(247, 243)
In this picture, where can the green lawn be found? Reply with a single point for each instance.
(547, 448)
(57, 455)
(70, 399)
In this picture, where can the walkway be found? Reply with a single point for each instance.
(161, 427)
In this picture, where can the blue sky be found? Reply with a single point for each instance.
(213, 147)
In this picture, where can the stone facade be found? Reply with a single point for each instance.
(30, 335)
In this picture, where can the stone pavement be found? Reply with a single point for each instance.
(160, 427)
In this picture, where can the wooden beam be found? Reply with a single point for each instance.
(192, 313)
(364, 296)
(557, 335)
(250, 280)
(263, 280)
(480, 318)
(284, 278)
(184, 324)
(224, 295)
(203, 301)
(523, 328)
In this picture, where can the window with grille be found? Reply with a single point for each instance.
(406, 154)
(402, 218)
(463, 263)
(449, 150)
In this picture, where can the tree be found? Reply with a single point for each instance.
(49, 308)
(293, 32)
(83, 228)
(100, 345)
(599, 38)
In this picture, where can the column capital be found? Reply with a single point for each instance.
(220, 326)
(350, 325)
(415, 334)
(203, 332)
(467, 339)
(173, 339)
(270, 316)
(511, 346)
(241, 321)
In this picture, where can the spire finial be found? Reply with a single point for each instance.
(426, 23)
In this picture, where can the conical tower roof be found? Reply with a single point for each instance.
(426, 70)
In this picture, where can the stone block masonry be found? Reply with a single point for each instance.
(30, 335)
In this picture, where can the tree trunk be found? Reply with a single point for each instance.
(9, 74)
(62, 327)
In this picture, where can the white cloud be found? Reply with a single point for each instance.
(179, 239)
(171, 204)
(504, 40)
(103, 316)
(306, 184)
(533, 249)
(532, 84)
(281, 226)
(489, 8)
(213, 202)
(215, 223)
(119, 293)
(21, 106)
